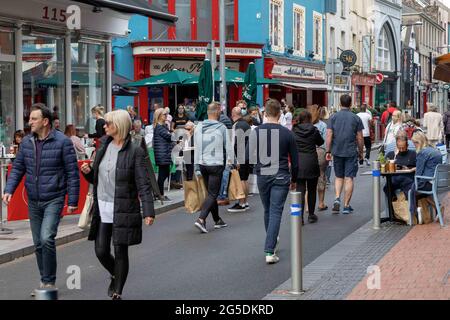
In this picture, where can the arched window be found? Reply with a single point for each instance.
(385, 50)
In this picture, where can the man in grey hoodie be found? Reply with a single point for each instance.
(211, 143)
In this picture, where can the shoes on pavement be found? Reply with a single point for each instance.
(220, 224)
(33, 293)
(271, 258)
(247, 206)
(312, 218)
(167, 199)
(116, 296)
(367, 162)
(347, 210)
(337, 206)
(237, 208)
(224, 202)
(323, 209)
(176, 185)
(201, 225)
(111, 288)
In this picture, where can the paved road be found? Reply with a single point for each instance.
(175, 261)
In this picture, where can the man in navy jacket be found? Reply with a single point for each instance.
(48, 161)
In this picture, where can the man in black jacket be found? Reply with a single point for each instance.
(447, 127)
(241, 132)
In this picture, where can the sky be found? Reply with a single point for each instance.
(447, 2)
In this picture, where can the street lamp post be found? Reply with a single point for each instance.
(223, 85)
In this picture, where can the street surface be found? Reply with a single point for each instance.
(176, 262)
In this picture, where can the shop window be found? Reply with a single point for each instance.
(318, 43)
(183, 25)
(229, 20)
(88, 83)
(385, 51)
(204, 21)
(160, 30)
(299, 30)
(6, 43)
(7, 102)
(43, 74)
(276, 32)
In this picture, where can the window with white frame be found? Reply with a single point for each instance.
(317, 43)
(343, 15)
(276, 25)
(299, 30)
(385, 59)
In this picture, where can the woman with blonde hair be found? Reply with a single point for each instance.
(97, 113)
(393, 127)
(162, 147)
(122, 186)
(428, 158)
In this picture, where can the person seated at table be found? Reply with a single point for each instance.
(404, 159)
(428, 158)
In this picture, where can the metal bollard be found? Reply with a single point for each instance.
(46, 294)
(376, 174)
(296, 243)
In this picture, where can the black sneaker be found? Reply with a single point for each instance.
(312, 218)
(220, 224)
(237, 208)
(167, 199)
(337, 206)
(201, 226)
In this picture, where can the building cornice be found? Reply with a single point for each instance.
(390, 4)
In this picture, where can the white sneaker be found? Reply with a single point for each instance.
(277, 245)
(271, 259)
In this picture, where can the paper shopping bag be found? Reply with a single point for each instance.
(235, 190)
(194, 194)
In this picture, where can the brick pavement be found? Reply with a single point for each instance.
(416, 268)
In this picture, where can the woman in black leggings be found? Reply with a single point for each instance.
(308, 138)
(122, 186)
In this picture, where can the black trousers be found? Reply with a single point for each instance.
(368, 145)
(164, 173)
(309, 185)
(447, 140)
(212, 176)
(189, 172)
(118, 265)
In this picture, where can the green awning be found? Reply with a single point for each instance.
(165, 79)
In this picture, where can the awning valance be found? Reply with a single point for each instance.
(141, 7)
(313, 86)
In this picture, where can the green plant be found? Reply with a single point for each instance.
(381, 158)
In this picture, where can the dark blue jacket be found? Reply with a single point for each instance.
(426, 162)
(162, 145)
(58, 169)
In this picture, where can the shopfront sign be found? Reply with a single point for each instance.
(408, 65)
(159, 66)
(379, 78)
(363, 80)
(64, 14)
(196, 51)
(348, 58)
(297, 72)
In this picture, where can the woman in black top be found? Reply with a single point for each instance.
(97, 113)
(307, 138)
(180, 119)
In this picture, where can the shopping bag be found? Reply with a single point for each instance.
(424, 204)
(84, 222)
(194, 194)
(401, 208)
(235, 190)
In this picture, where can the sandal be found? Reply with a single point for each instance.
(323, 209)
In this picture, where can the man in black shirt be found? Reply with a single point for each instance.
(241, 132)
(404, 159)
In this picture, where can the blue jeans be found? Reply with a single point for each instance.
(44, 220)
(223, 193)
(273, 191)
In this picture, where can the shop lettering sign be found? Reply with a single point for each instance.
(159, 66)
(195, 51)
(298, 72)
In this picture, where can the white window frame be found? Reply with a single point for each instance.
(299, 11)
(318, 17)
(280, 27)
(384, 64)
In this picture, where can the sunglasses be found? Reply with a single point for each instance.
(109, 123)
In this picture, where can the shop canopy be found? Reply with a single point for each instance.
(232, 76)
(119, 88)
(442, 71)
(173, 77)
(313, 86)
(141, 7)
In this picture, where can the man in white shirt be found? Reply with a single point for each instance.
(434, 124)
(366, 119)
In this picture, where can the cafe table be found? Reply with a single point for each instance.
(388, 176)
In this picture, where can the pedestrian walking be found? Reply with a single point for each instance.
(169, 118)
(387, 114)
(222, 199)
(211, 143)
(434, 125)
(345, 144)
(97, 113)
(366, 119)
(180, 119)
(393, 128)
(289, 116)
(188, 150)
(162, 146)
(240, 136)
(122, 188)
(48, 160)
(308, 138)
(79, 148)
(274, 177)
